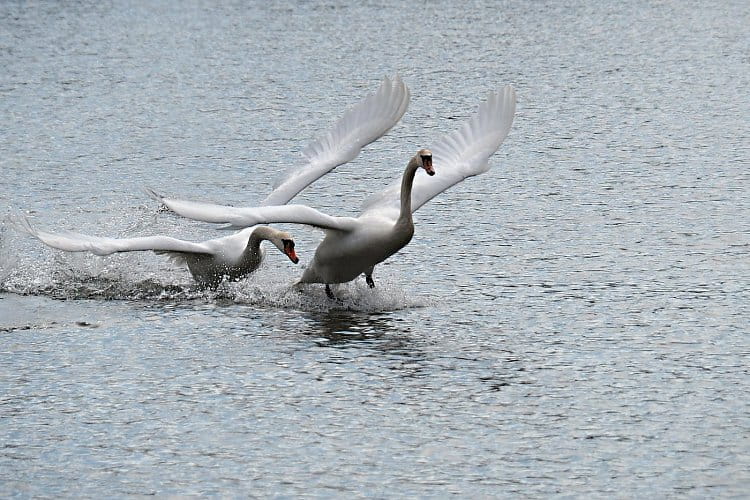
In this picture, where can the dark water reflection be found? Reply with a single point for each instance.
(342, 327)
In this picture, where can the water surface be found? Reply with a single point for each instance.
(572, 323)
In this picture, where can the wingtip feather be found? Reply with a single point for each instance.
(153, 194)
(20, 223)
(464, 152)
(363, 123)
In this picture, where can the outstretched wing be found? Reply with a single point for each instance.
(76, 242)
(462, 153)
(364, 123)
(250, 216)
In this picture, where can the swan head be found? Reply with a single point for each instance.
(424, 158)
(280, 239)
(285, 243)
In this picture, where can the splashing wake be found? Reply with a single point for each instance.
(147, 277)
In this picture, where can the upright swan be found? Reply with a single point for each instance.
(231, 257)
(354, 246)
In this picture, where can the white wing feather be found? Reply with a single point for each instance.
(76, 242)
(250, 216)
(458, 155)
(364, 123)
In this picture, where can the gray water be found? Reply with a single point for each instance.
(573, 323)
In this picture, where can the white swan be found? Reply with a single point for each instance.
(354, 246)
(231, 257)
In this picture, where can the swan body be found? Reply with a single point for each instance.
(370, 239)
(344, 255)
(354, 246)
(232, 257)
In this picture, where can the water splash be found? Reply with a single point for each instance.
(354, 296)
(147, 277)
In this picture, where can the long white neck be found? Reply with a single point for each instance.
(252, 254)
(407, 180)
(253, 243)
(259, 234)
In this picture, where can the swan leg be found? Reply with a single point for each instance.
(368, 277)
(329, 292)
(370, 282)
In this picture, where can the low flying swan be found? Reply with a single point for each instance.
(354, 246)
(231, 257)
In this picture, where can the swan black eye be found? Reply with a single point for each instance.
(288, 243)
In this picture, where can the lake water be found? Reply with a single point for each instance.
(574, 323)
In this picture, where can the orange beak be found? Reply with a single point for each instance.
(427, 165)
(289, 251)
